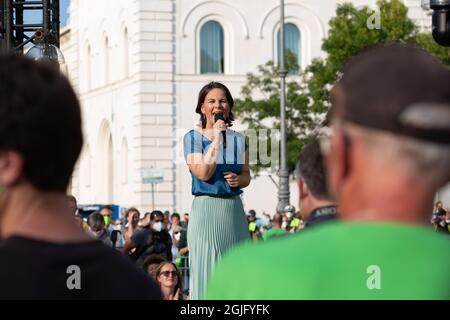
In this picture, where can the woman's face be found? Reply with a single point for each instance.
(215, 102)
(168, 276)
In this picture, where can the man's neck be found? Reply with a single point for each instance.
(44, 216)
(392, 200)
(314, 204)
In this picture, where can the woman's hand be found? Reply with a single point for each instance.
(219, 127)
(232, 179)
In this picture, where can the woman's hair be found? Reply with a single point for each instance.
(153, 259)
(201, 99)
(179, 284)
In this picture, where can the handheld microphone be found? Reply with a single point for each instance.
(219, 116)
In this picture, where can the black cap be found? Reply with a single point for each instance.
(397, 88)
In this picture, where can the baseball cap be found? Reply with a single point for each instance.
(397, 88)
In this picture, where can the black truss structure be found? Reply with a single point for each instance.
(15, 33)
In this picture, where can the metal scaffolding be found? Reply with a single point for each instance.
(16, 32)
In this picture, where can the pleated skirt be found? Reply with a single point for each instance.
(216, 225)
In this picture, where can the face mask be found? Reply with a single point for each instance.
(177, 236)
(107, 219)
(158, 226)
(289, 215)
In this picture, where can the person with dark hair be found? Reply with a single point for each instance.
(107, 213)
(44, 254)
(386, 157)
(151, 264)
(167, 222)
(73, 207)
(152, 240)
(98, 229)
(132, 217)
(315, 203)
(219, 170)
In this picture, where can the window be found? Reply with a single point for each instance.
(211, 48)
(291, 44)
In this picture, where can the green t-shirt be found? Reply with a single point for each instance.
(273, 233)
(339, 261)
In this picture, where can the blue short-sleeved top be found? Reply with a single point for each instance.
(230, 159)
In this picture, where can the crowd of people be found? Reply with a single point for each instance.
(366, 188)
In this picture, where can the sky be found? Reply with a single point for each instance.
(64, 6)
(36, 16)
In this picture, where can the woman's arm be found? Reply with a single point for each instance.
(203, 165)
(242, 180)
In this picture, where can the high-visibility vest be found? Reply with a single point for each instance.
(295, 223)
(252, 226)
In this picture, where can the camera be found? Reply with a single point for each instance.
(440, 20)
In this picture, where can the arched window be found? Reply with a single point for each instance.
(291, 44)
(211, 48)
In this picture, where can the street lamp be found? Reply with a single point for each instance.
(440, 24)
(45, 51)
(283, 173)
(16, 33)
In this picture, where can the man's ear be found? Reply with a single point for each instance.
(11, 167)
(302, 188)
(337, 161)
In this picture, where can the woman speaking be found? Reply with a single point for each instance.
(218, 162)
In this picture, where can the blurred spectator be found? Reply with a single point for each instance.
(167, 221)
(44, 255)
(442, 221)
(294, 220)
(97, 228)
(116, 231)
(276, 229)
(153, 240)
(132, 217)
(315, 202)
(107, 213)
(175, 222)
(169, 279)
(255, 233)
(176, 237)
(145, 221)
(151, 264)
(73, 207)
(185, 222)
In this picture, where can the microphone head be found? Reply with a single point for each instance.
(218, 116)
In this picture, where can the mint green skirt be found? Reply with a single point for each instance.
(216, 225)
